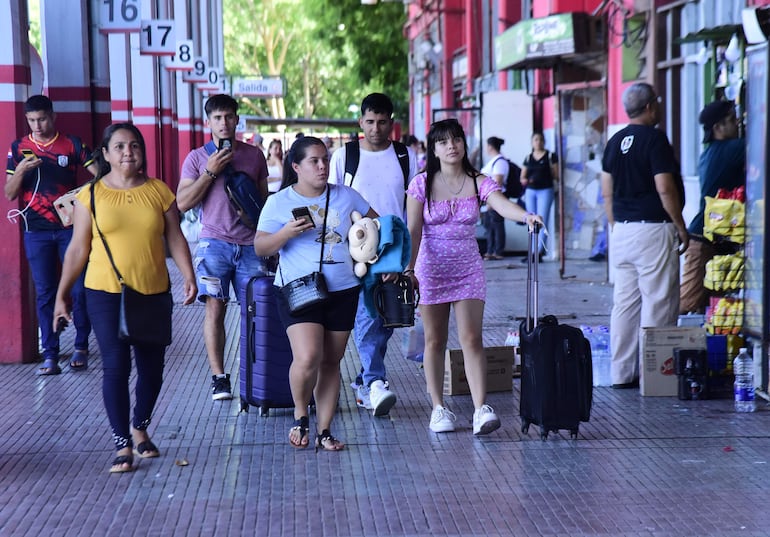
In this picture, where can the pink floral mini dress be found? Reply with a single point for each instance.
(449, 267)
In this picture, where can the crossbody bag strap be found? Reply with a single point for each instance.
(323, 229)
(101, 236)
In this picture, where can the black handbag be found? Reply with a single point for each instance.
(309, 290)
(304, 292)
(143, 319)
(395, 302)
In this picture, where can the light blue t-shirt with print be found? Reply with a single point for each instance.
(299, 256)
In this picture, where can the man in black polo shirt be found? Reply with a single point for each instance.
(643, 199)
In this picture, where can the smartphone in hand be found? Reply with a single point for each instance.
(28, 153)
(225, 144)
(302, 213)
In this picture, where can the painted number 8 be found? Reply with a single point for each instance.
(184, 53)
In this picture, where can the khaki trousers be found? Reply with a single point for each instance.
(646, 294)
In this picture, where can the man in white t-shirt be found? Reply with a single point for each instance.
(380, 179)
(497, 169)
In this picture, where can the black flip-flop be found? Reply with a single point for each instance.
(147, 450)
(119, 461)
(79, 360)
(49, 367)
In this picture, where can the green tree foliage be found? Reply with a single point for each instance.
(330, 54)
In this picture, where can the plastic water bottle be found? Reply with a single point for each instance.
(743, 366)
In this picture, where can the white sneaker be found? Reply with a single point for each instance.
(442, 420)
(362, 396)
(381, 398)
(485, 420)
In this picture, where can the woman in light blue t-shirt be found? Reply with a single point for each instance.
(318, 334)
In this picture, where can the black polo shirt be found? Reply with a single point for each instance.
(633, 156)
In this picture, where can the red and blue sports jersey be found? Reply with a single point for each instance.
(57, 175)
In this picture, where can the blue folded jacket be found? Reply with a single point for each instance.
(394, 249)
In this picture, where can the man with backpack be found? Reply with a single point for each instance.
(379, 169)
(225, 255)
(506, 174)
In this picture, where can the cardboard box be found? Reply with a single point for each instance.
(499, 371)
(657, 376)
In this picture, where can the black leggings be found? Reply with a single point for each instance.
(103, 310)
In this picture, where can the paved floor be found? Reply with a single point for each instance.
(641, 466)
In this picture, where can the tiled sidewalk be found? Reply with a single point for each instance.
(641, 466)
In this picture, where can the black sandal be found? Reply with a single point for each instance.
(119, 462)
(302, 426)
(147, 450)
(327, 442)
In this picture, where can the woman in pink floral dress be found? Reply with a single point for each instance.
(442, 210)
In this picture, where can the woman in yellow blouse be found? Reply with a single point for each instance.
(134, 213)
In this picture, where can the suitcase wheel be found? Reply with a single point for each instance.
(264, 411)
(573, 434)
(244, 405)
(543, 434)
(524, 426)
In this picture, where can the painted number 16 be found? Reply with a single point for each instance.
(129, 10)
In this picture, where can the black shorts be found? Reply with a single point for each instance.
(336, 314)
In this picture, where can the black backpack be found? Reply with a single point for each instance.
(242, 193)
(353, 155)
(512, 186)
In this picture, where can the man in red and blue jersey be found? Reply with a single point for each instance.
(41, 168)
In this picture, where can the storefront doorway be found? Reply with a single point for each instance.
(582, 129)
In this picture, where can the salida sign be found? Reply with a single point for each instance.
(258, 87)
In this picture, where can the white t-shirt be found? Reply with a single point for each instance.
(496, 166)
(299, 256)
(378, 178)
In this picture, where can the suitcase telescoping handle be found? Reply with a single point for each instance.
(533, 260)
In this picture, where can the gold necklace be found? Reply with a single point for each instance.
(443, 178)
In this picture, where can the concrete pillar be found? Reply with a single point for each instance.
(473, 46)
(144, 91)
(100, 77)
(183, 115)
(120, 77)
(65, 33)
(18, 324)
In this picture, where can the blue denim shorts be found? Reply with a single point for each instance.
(219, 264)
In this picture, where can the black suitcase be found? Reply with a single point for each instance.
(556, 373)
(265, 350)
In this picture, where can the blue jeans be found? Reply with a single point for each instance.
(45, 252)
(495, 226)
(229, 263)
(371, 339)
(116, 364)
(539, 201)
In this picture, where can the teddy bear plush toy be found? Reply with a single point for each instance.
(363, 241)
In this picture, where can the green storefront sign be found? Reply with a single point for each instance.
(532, 39)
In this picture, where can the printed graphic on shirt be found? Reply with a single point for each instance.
(626, 143)
(332, 237)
